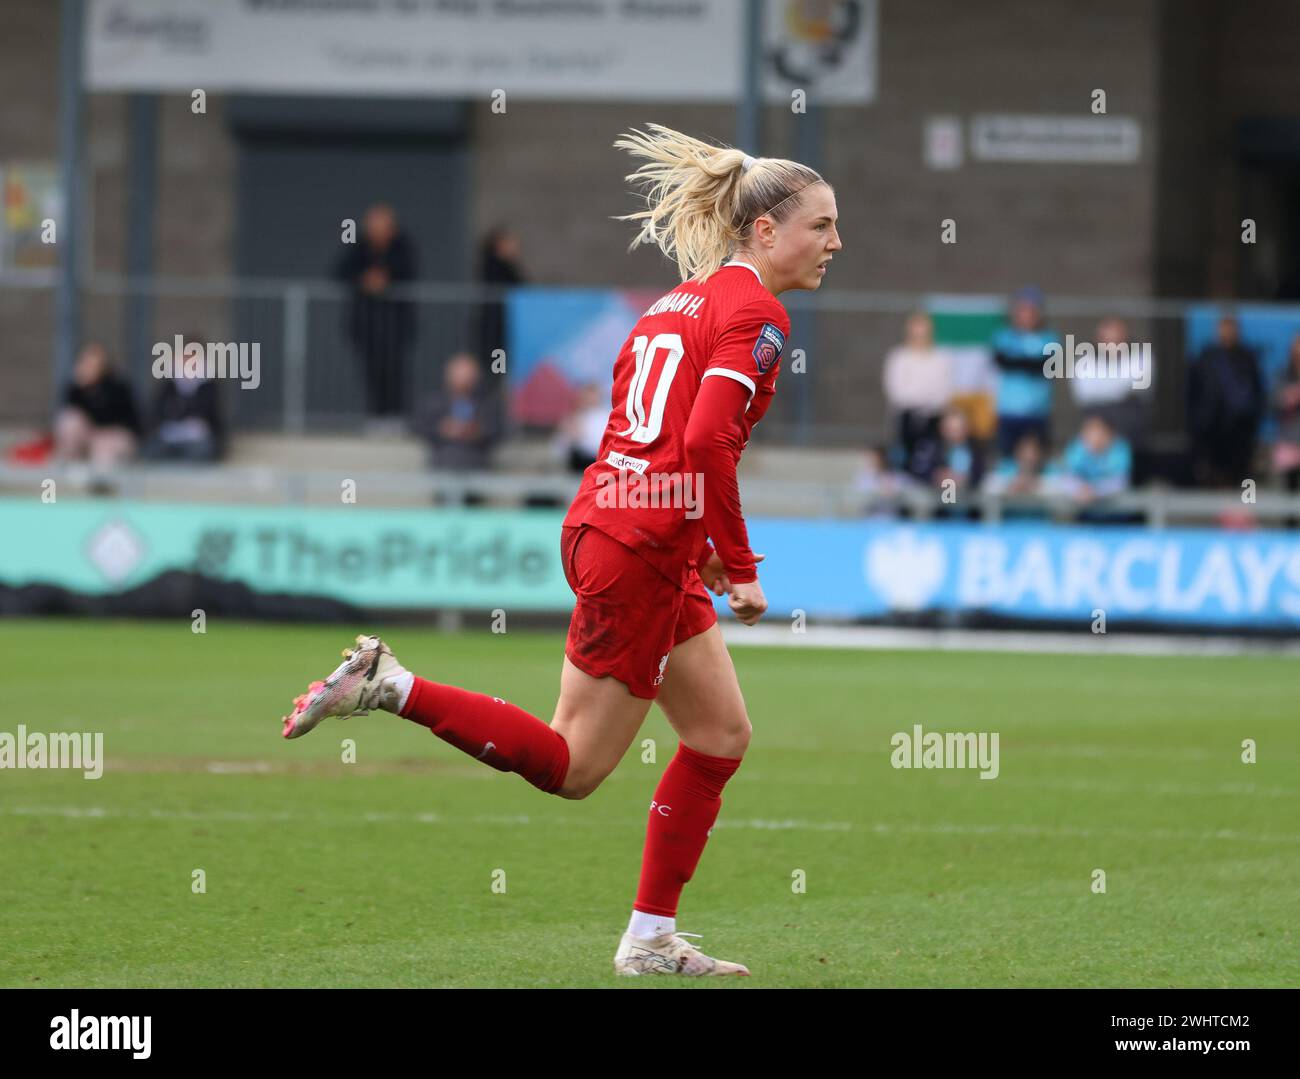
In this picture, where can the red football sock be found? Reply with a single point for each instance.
(685, 805)
(491, 730)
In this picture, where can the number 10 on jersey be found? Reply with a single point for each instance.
(640, 427)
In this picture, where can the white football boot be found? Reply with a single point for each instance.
(669, 954)
(364, 680)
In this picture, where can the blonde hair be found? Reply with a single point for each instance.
(704, 199)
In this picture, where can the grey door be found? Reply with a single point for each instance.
(306, 165)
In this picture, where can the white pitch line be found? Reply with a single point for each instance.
(373, 817)
(1184, 790)
(238, 768)
(1038, 831)
(984, 640)
(782, 825)
(878, 828)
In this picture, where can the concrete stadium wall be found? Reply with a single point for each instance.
(1165, 223)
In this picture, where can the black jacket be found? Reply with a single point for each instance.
(1225, 390)
(373, 319)
(171, 405)
(108, 403)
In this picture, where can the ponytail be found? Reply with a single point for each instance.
(704, 199)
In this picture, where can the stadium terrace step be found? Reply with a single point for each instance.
(401, 453)
(527, 455)
(356, 452)
(811, 465)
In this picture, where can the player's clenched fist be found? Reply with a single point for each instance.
(747, 602)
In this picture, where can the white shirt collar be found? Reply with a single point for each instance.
(748, 266)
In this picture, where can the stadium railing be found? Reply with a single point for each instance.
(312, 380)
(1154, 508)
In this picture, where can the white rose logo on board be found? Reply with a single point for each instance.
(115, 549)
(906, 570)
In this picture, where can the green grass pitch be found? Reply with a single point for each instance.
(380, 873)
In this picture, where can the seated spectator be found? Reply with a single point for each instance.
(958, 465)
(1096, 464)
(1021, 476)
(460, 424)
(918, 386)
(98, 419)
(879, 482)
(1024, 390)
(186, 419)
(1111, 394)
(583, 429)
(958, 457)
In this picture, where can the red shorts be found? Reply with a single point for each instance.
(629, 616)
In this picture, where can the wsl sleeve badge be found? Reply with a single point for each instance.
(767, 349)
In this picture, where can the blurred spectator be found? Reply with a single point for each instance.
(874, 476)
(1286, 401)
(975, 387)
(186, 418)
(958, 457)
(380, 327)
(460, 424)
(879, 482)
(1111, 394)
(1024, 391)
(98, 418)
(974, 390)
(1096, 464)
(582, 431)
(918, 387)
(1225, 405)
(499, 268)
(1020, 474)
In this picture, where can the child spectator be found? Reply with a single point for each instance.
(1021, 476)
(1096, 464)
(958, 458)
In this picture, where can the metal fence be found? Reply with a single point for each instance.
(313, 380)
(311, 377)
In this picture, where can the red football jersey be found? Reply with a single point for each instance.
(639, 489)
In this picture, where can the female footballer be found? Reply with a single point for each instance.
(695, 374)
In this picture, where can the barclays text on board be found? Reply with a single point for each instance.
(1033, 571)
